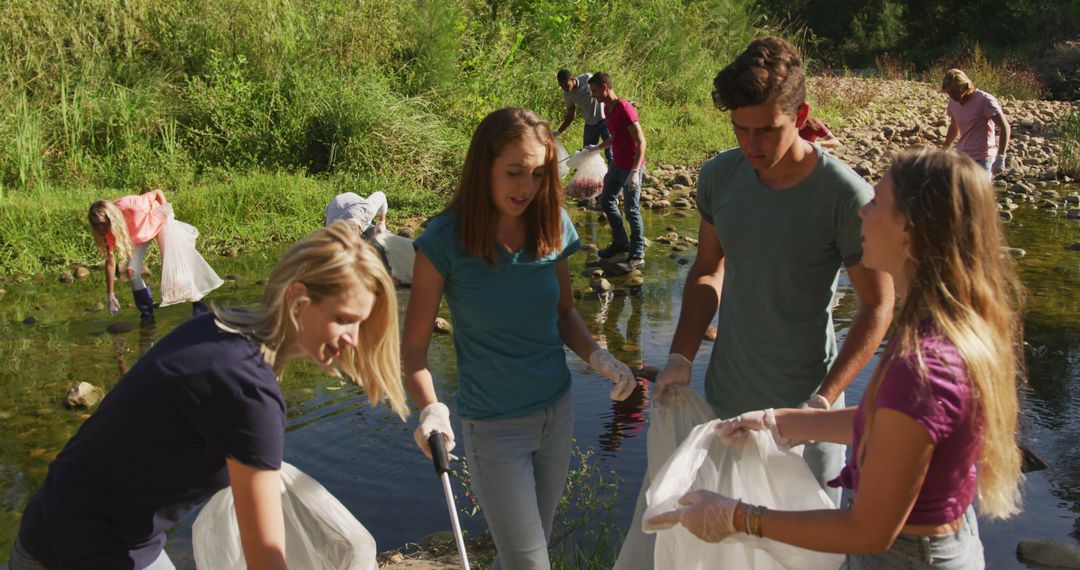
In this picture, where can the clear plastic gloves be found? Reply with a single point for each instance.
(606, 364)
(675, 373)
(434, 417)
(707, 515)
(114, 305)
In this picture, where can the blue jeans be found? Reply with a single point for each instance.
(987, 164)
(596, 133)
(618, 182)
(960, 551)
(22, 560)
(518, 468)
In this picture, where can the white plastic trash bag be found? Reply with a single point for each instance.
(320, 533)
(588, 180)
(185, 275)
(561, 155)
(759, 473)
(668, 427)
(400, 253)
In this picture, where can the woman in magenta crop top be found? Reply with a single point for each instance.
(936, 425)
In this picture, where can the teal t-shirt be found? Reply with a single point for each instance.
(783, 250)
(510, 356)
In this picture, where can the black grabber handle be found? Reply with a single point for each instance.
(438, 453)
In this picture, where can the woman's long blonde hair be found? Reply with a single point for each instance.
(330, 262)
(107, 215)
(970, 293)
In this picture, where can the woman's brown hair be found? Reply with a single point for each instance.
(473, 203)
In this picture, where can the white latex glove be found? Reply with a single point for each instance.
(605, 363)
(998, 165)
(735, 431)
(635, 178)
(707, 515)
(589, 148)
(816, 402)
(114, 305)
(675, 373)
(434, 417)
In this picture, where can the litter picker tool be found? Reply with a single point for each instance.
(442, 469)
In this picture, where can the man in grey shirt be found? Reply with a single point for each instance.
(576, 97)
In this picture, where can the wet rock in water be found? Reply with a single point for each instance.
(659, 205)
(31, 320)
(668, 238)
(635, 281)
(594, 273)
(96, 307)
(443, 326)
(601, 285)
(1073, 214)
(590, 248)
(1049, 553)
(682, 204)
(682, 178)
(1050, 204)
(679, 247)
(82, 272)
(83, 395)
(710, 333)
(119, 327)
(67, 278)
(683, 261)
(1006, 216)
(1075, 246)
(232, 277)
(1073, 199)
(681, 214)
(1014, 251)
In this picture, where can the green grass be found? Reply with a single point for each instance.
(1069, 159)
(203, 99)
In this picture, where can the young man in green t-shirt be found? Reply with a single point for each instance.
(779, 217)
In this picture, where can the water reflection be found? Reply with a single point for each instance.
(628, 417)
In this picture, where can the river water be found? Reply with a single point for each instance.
(367, 459)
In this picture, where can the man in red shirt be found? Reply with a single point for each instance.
(627, 144)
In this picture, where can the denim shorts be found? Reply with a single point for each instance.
(959, 551)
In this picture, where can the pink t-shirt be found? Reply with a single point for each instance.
(972, 117)
(940, 400)
(144, 221)
(620, 115)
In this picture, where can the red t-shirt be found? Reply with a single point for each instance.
(809, 133)
(620, 115)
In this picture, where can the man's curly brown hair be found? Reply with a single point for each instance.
(770, 68)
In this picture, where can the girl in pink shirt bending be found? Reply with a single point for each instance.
(125, 227)
(936, 426)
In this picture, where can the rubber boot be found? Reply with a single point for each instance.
(144, 301)
(198, 308)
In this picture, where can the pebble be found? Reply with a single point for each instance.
(443, 326)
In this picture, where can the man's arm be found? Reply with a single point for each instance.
(701, 293)
(950, 136)
(571, 112)
(876, 296)
(1004, 131)
(639, 137)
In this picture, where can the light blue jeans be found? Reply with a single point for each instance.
(518, 468)
(960, 551)
(21, 560)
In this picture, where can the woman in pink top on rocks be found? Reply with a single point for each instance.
(974, 116)
(936, 426)
(124, 228)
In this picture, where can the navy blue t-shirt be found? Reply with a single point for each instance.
(155, 450)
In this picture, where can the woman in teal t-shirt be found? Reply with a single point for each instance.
(499, 256)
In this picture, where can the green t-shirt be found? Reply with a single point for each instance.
(510, 356)
(783, 250)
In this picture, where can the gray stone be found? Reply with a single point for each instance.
(682, 178)
(443, 326)
(83, 395)
(601, 285)
(1074, 246)
(82, 272)
(1073, 214)
(1049, 553)
(1014, 251)
(589, 248)
(660, 205)
(66, 277)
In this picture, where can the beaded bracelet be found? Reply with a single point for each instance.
(755, 520)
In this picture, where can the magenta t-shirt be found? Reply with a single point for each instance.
(620, 115)
(940, 400)
(972, 117)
